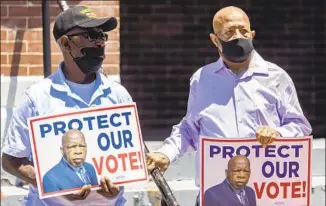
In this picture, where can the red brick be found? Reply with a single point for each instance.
(29, 35)
(53, 3)
(110, 3)
(34, 2)
(25, 11)
(51, 27)
(14, 23)
(10, 47)
(112, 58)
(89, 3)
(35, 47)
(113, 35)
(55, 48)
(4, 11)
(56, 59)
(14, 70)
(4, 59)
(112, 46)
(35, 71)
(37, 2)
(54, 68)
(33, 59)
(55, 11)
(4, 35)
(106, 11)
(36, 22)
(109, 69)
(14, 2)
(38, 70)
(17, 59)
(79, 2)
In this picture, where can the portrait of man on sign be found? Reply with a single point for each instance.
(233, 190)
(72, 171)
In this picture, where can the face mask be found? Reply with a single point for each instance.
(237, 50)
(92, 59)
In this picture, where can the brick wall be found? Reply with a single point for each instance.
(21, 36)
(163, 43)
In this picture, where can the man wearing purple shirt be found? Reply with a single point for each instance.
(239, 96)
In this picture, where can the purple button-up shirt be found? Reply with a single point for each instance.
(224, 105)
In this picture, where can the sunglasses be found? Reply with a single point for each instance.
(92, 35)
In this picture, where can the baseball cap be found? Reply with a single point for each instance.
(83, 17)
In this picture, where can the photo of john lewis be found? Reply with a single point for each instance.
(233, 190)
(72, 171)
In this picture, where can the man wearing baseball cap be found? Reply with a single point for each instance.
(76, 84)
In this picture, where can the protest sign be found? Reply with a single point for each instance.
(279, 174)
(75, 148)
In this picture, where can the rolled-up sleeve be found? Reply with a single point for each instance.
(124, 95)
(16, 142)
(293, 121)
(183, 134)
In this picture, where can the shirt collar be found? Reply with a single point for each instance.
(59, 83)
(256, 65)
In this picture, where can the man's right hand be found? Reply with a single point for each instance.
(81, 194)
(157, 159)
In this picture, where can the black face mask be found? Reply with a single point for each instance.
(237, 50)
(92, 59)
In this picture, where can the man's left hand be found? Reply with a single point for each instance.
(266, 135)
(108, 188)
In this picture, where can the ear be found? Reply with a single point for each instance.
(215, 41)
(253, 34)
(226, 173)
(64, 43)
(61, 150)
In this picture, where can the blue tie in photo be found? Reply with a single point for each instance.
(84, 176)
(243, 198)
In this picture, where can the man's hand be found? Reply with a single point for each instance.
(19, 167)
(108, 188)
(81, 195)
(3, 196)
(266, 135)
(157, 159)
